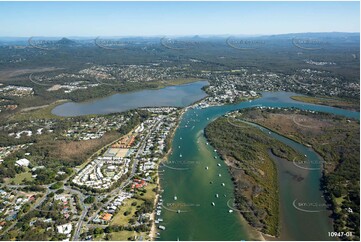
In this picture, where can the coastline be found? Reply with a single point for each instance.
(153, 230)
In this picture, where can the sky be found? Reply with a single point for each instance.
(24, 19)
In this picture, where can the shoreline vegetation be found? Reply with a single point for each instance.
(349, 104)
(43, 105)
(336, 140)
(245, 151)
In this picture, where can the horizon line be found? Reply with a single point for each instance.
(176, 35)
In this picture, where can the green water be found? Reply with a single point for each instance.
(188, 213)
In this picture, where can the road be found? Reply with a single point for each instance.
(116, 191)
(34, 206)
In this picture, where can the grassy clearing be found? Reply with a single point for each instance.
(150, 194)
(120, 219)
(125, 235)
(43, 112)
(19, 178)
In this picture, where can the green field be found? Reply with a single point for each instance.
(18, 179)
(120, 219)
(125, 235)
(40, 113)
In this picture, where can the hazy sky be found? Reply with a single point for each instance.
(175, 18)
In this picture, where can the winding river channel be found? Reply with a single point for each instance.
(197, 201)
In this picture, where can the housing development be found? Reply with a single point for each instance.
(179, 121)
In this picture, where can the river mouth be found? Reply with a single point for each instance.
(175, 96)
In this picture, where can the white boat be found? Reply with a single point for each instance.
(217, 195)
(219, 175)
(215, 157)
(223, 184)
(175, 198)
(230, 211)
(213, 204)
(178, 211)
(218, 164)
(180, 155)
(178, 146)
(207, 168)
(161, 227)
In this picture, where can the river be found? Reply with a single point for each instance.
(190, 188)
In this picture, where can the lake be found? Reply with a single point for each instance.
(175, 96)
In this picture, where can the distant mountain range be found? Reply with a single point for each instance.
(78, 39)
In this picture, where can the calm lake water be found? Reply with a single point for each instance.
(176, 96)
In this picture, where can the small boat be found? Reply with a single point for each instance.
(225, 195)
(175, 198)
(215, 150)
(305, 155)
(178, 211)
(207, 143)
(207, 168)
(269, 132)
(218, 164)
(178, 146)
(215, 157)
(161, 227)
(180, 138)
(217, 195)
(180, 155)
(211, 182)
(219, 175)
(230, 211)
(223, 184)
(213, 204)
